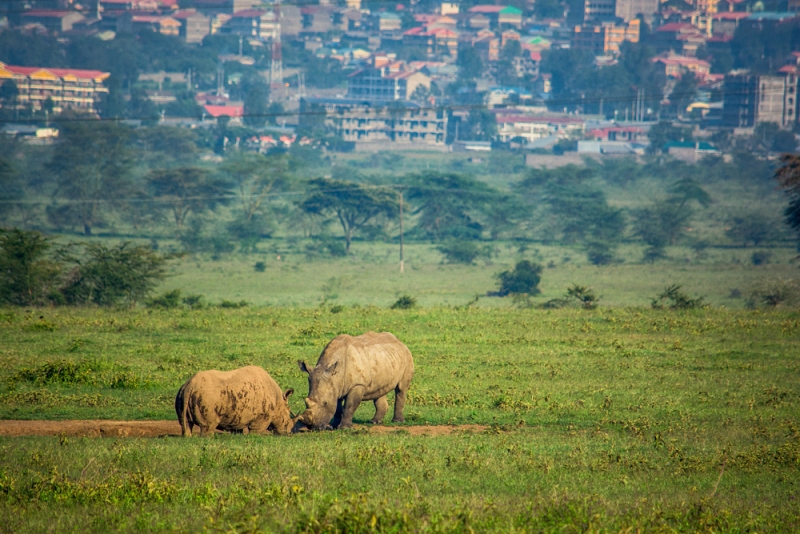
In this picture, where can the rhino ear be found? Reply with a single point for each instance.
(287, 393)
(332, 369)
(303, 366)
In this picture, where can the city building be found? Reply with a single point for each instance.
(751, 99)
(405, 124)
(385, 83)
(130, 22)
(431, 41)
(599, 10)
(194, 25)
(605, 38)
(54, 21)
(533, 127)
(727, 22)
(628, 10)
(76, 89)
(389, 22)
(252, 23)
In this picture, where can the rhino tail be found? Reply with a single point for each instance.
(182, 407)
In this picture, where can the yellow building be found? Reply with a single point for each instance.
(66, 88)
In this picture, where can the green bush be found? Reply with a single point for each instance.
(260, 266)
(523, 280)
(675, 299)
(108, 276)
(195, 302)
(462, 251)
(232, 304)
(584, 295)
(405, 302)
(599, 253)
(168, 300)
(27, 276)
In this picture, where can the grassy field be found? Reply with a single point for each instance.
(371, 275)
(599, 420)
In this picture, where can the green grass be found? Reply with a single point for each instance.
(371, 275)
(600, 420)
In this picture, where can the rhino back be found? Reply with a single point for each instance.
(237, 397)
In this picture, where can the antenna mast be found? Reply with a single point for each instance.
(276, 67)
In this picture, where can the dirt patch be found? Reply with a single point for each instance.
(97, 428)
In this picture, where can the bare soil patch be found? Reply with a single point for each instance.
(98, 428)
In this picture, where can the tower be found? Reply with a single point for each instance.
(276, 67)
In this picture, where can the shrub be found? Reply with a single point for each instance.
(761, 257)
(27, 276)
(195, 302)
(523, 280)
(584, 295)
(461, 251)
(108, 276)
(58, 371)
(260, 266)
(405, 302)
(773, 293)
(675, 299)
(599, 253)
(337, 308)
(231, 304)
(168, 300)
(653, 253)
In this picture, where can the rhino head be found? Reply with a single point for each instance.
(283, 421)
(323, 395)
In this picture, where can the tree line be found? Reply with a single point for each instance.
(162, 182)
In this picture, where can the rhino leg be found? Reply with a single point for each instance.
(351, 403)
(381, 407)
(399, 404)
(337, 417)
(259, 426)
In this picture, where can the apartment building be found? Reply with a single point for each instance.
(605, 38)
(54, 21)
(403, 123)
(628, 10)
(751, 99)
(66, 88)
(194, 25)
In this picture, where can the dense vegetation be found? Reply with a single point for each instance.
(661, 420)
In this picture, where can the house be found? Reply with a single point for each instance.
(499, 16)
(675, 66)
(487, 46)
(678, 37)
(77, 89)
(389, 22)
(385, 83)
(479, 21)
(508, 35)
(619, 133)
(235, 112)
(527, 64)
(142, 6)
(405, 124)
(194, 26)
(726, 23)
(431, 42)
(324, 18)
(54, 21)
(130, 22)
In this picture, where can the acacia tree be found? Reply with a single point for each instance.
(788, 176)
(354, 205)
(92, 163)
(186, 190)
(254, 177)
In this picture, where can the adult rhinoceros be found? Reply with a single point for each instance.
(351, 369)
(233, 400)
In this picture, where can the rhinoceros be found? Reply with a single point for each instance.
(232, 401)
(351, 369)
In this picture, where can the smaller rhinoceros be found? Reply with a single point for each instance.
(351, 369)
(232, 401)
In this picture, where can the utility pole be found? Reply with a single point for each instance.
(276, 65)
(402, 262)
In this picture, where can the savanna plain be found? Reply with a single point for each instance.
(619, 418)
